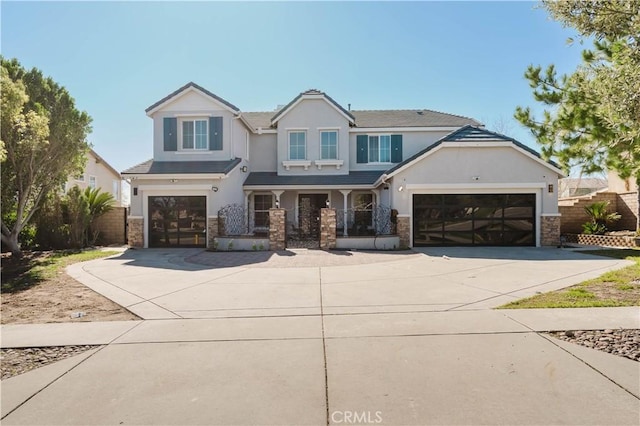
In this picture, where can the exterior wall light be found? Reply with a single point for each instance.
(550, 188)
(214, 188)
(401, 188)
(243, 169)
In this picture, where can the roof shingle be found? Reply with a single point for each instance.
(182, 167)
(352, 179)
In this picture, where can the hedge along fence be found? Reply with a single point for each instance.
(604, 240)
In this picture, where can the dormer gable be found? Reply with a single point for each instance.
(312, 94)
(187, 89)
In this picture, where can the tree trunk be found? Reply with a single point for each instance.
(638, 205)
(11, 242)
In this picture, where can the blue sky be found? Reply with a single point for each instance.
(117, 58)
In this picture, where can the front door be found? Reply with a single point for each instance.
(309, 206)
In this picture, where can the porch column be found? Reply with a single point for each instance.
(246, 210)
(345, 193)
(277, 194)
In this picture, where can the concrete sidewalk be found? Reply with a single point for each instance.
(407, 368)
(408, 340)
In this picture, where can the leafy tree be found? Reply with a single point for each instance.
(43, 143)
(592, 120)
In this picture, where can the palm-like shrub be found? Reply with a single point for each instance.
(600, 217)
(81, 209)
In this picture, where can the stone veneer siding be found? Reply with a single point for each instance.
(327, 229)
(404, 230)
(277, 229)
(212, 232)
(550, 230)
(136, 232)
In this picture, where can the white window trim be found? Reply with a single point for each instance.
(116, 184)
(181, 147)
(95, 181)
(253, 201)
(320, 132)
(306, 153)
(368, 149)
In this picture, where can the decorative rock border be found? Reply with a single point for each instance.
(603, 240)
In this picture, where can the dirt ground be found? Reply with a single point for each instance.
(57, 299)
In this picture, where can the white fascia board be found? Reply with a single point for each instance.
(184, 92)
(401, 129)
(246, 123)
(186, 176)
(302, 187)
(303, 97)
(473, 187)
(175, 187)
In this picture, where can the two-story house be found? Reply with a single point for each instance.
(98, 173)
(434, 178)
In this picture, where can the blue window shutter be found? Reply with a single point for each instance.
(362, 146)
(170, 134)
(215, 133)
(396, 148)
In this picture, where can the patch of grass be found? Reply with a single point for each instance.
(611, 289)
(33, 268)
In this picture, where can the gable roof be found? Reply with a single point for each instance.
(191, 85)
(381, 119)
(472, 134)
(151, 167)
(311, 94)
(102, 161)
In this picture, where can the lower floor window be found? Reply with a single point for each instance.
(261, 205)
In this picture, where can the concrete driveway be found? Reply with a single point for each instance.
(157, 284)
(330, 338)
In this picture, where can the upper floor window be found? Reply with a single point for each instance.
(380, 149)
(194, 134)
(116, 189)
(329, 145)
(297, 145)
(92, 182)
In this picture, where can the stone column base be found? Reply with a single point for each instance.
(404, 229)
(550, 230)
(135, 234)
(212, 232)
(277, 229)
(327, 229)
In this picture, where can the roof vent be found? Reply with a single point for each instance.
(420, 112)
(279, 107)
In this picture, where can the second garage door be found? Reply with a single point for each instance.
(474, 219)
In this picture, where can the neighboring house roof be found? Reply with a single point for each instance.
(182, 167)
(382, 119)
(272, 179)
(470, 134)
(186, 87)
(104, 163)
(312, 93)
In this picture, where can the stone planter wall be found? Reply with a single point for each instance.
(604, 240)
(240, 243)
(381, 242)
